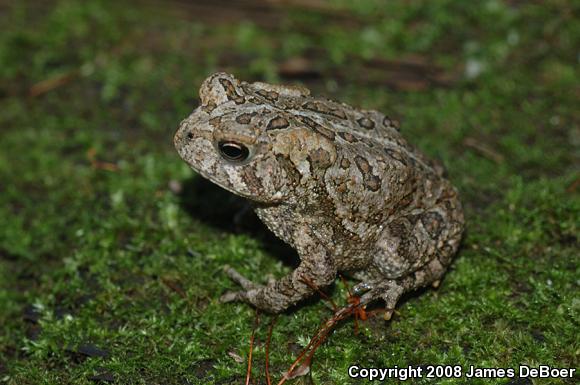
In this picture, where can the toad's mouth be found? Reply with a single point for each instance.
(227, 181)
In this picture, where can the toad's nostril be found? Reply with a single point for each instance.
(190, 135)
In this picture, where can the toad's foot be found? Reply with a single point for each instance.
(245, 283)
(239, 278)
(278, 295)
(391, 290)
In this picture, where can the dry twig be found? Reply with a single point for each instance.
(267, 364)
(483, 150)
(249, 371)
(99, 165)
(52, 83)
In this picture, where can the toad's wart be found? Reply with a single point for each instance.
(340, 185)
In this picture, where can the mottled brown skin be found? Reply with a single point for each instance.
(340, 185)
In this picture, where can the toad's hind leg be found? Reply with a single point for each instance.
(391, 290)
(414, 252)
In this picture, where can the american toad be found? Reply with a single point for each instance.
(339, 184)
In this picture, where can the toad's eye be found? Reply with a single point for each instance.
(234, 152)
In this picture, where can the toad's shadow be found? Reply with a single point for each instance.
(218, 208)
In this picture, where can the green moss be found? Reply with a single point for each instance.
(106, 269)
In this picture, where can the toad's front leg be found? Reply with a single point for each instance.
(316, 270)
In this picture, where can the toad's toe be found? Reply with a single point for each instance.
(239, 279)
(234, 296)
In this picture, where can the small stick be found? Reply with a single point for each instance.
(175, 287)
(249, 372)
(484, 150)
(355, 306)
(358, 308)
(91, 155)
(50, 84)
(573, 186)
(318, 339)
(270, 329)
(345, 285)
(322, 294)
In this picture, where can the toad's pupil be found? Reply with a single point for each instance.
(233, 151)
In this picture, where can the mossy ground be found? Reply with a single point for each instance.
(111, 248)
